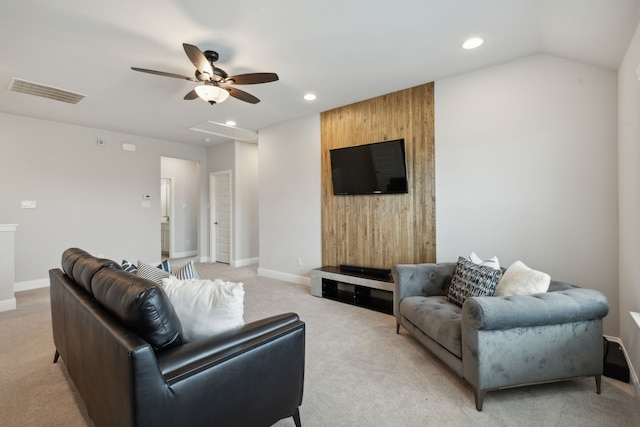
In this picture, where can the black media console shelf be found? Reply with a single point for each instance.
(373, 292)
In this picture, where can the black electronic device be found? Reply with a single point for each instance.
(378, 272)
(615, 364)
(377, 168)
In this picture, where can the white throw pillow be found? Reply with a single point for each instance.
(522, 280)
(491, 262)
(205, 307)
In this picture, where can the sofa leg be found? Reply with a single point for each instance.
(397, 328)
(296, 418)
(479, 396)
(55, 357)
(598, 384)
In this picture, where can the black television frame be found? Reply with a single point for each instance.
(339, 157)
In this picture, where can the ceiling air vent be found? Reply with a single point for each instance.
(31, 88)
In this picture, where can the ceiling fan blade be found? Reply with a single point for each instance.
(198, 59)
(191, 95)
(242, 95)
(252, 78)
(162, 73)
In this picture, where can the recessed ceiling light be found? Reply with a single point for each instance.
(472, 43)
(230, 123)
(309, 97)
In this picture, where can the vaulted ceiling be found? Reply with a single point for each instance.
(343, 51)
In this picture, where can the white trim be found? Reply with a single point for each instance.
(8, 227)
(8, 304)
(203, 259)
(245, 262)
(186, 254)
(636, 317)
(286, 277)
(632, 373)
(30, 284)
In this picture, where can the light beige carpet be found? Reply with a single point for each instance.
(358, 372)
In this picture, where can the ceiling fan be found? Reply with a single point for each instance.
(216, 83)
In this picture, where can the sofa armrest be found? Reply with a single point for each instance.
(190, 358)
(549, 308)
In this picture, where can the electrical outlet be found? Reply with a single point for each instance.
(300, 261)
(28, 204)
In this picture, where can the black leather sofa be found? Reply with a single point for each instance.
(121, 342)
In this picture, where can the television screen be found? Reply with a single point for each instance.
(378, 168)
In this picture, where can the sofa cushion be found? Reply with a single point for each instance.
(522, 280)
(206, 307)
(472, 280)
(437, 318)
(140, 305)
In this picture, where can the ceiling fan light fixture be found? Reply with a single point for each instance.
(212, 94)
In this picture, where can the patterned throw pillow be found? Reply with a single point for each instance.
(127, 266)
(151, 272)
(472, 280)
(187, 271)
(165, 266)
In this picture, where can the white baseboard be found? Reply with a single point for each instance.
(8, 304)
(633, 376)
(244, 262)
(30, 284)
(186, 254)
(286, 277)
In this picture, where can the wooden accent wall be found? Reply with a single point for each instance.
(382, 230)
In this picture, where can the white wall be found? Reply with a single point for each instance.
(289, 202)
(241, 159)
(629, 197)
(526, 168)
(246, 219)
(87, 196)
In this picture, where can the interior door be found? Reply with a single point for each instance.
(220, 225)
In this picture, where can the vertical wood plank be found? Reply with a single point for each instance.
(382, 230)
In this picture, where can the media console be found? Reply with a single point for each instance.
(365, 290)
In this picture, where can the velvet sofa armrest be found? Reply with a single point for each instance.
(549, 308)
(192, 357)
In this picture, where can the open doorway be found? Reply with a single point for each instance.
(179, 188)
(166, 214)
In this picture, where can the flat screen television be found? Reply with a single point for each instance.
(378, 168)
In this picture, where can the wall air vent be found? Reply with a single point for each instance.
(31, 88)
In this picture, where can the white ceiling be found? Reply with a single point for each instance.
(343, 50)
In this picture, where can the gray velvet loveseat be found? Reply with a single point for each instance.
(499, 342)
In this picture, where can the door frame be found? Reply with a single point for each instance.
(172, 211)
(212, 215)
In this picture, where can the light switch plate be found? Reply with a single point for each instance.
(28, 204)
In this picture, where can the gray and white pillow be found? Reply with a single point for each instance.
(187, 271)
(472, 280)
(152, 272)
